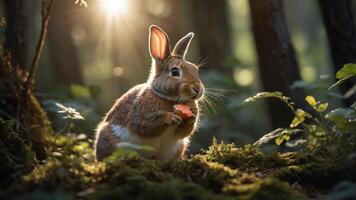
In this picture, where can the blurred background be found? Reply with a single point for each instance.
(94, 54)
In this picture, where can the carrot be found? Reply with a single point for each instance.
(184, 110)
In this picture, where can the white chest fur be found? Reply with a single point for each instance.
(165, 146)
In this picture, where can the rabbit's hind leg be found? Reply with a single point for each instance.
(105, 142)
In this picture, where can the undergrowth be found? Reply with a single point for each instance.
(72, 172)
(223, 171)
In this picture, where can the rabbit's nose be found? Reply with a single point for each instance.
(195, 91)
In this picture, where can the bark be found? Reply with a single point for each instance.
(341, 30)
(210, 18)
(18, 103)
(63, 54)
(15, 36)
(278, 65)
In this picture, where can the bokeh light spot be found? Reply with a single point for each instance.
(243, 77)
(308, 73)
(118, 71)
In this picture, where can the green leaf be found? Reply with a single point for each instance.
(338, 117)
(267, 137)
(339, 82)
(322, 107)
(299, 118)
(295, 143)
(311, 101)
(343, 118)
(346, 71)
(295, 122)
(275, 134)
(278, 95)
(279, 140)
(284, 137)
(262, 95)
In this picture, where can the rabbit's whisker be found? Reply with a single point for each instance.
(222, 90)
(210, 103)
(220, 97)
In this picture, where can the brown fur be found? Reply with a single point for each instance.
(146, 110)
(181, 152)
(105, 142)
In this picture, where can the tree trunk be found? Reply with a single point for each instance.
(341, 30)
(15, 36)
(278, 65)
(63, 54)
(22, 119)
(210, 18)
(19, 107)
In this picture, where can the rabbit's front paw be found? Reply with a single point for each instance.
(173, 118)
(194, 110)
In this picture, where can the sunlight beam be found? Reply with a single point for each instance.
(115, 7)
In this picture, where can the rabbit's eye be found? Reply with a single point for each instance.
(175, 72)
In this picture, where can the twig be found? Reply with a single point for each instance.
(46, 11)
(18, 124)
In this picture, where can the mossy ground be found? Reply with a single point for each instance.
(20, 110)
(222, 172)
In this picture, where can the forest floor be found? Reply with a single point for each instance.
(223, 171)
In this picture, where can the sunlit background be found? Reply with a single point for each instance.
(116, 7)
(94, 54)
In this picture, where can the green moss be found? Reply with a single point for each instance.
(323, 175)
(16, 158)
(274, 189)
(71, 171)
(32, 122)
(138, 187)
(251, 158)
(221, 172)
(304, 168)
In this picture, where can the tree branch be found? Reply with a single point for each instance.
(46, 11)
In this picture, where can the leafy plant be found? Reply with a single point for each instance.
(345, 73)
(70, 114)
(330, 132)
(348, 71)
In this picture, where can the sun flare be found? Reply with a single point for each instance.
(115, 7)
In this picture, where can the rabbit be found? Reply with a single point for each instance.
(145, 115)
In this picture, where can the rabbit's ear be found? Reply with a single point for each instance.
(182, 45)
(158, 43)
